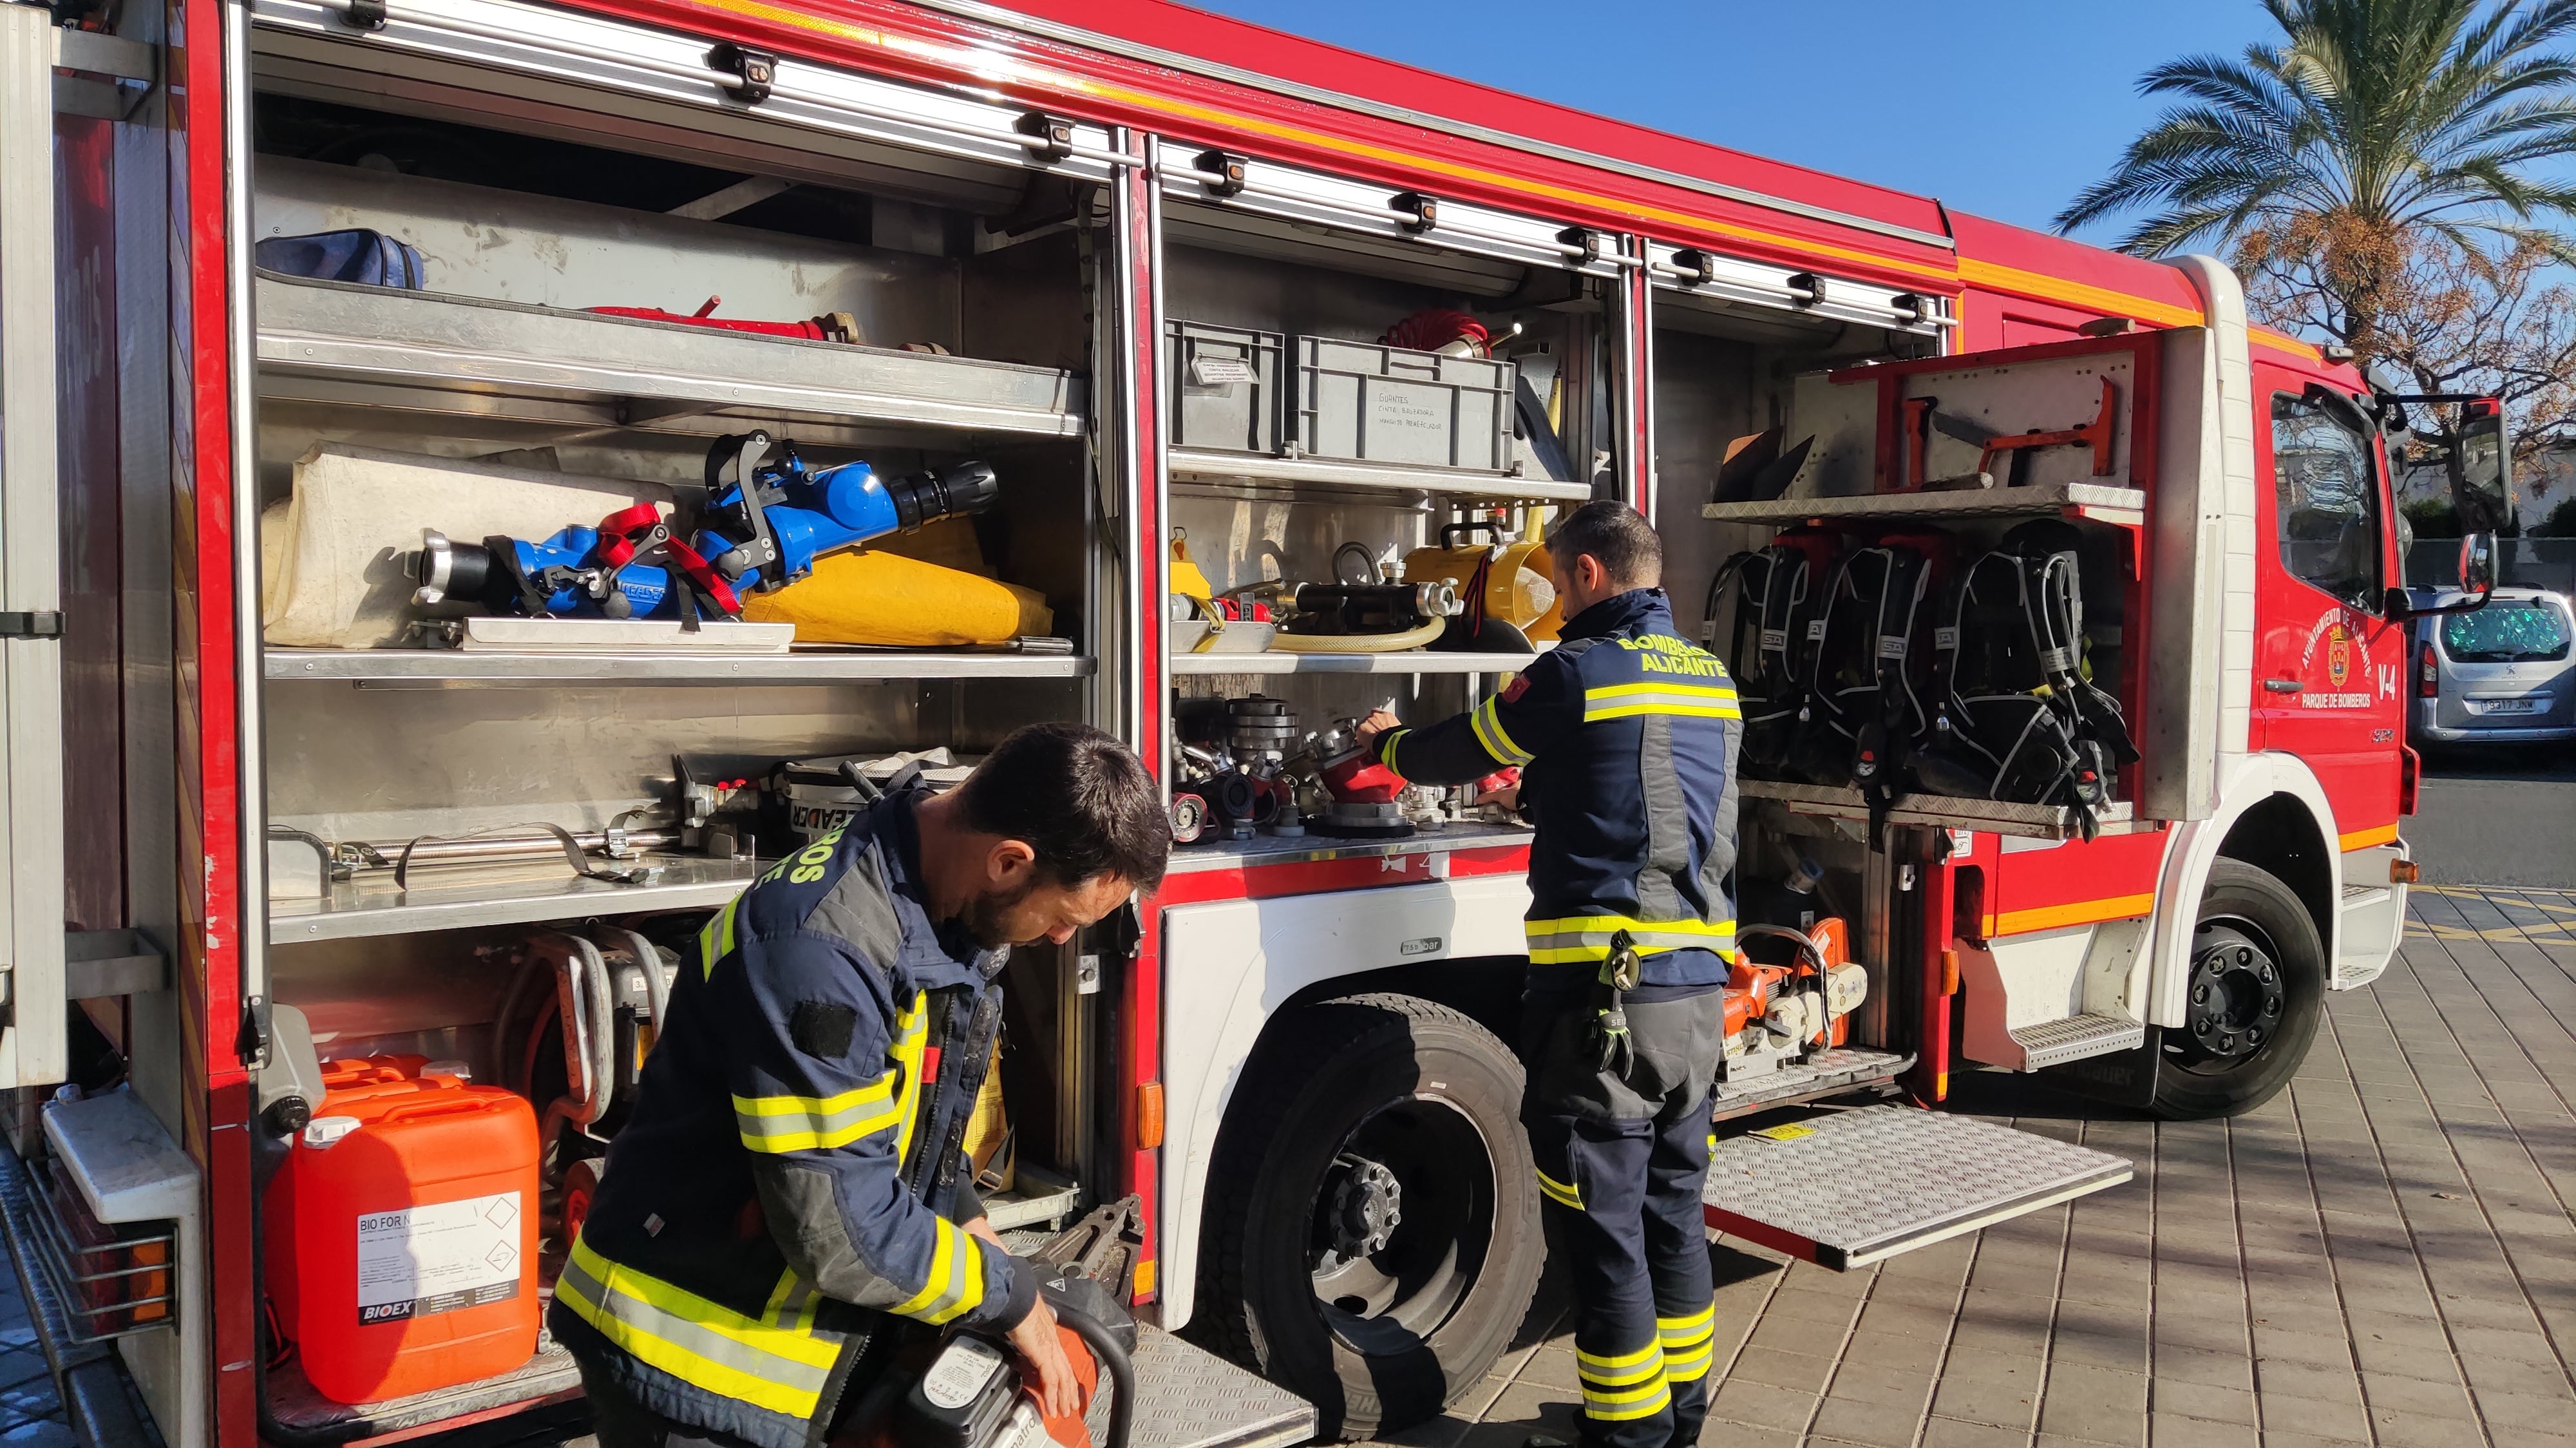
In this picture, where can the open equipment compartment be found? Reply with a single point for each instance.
(950, 269)
(1363, 387)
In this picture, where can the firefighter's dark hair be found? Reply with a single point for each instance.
(1616, 534)
(1079, 798)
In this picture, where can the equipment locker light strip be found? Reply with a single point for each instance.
(676, 67)
(1404, 115)
(1294, 194)
(1453, 219)
(1732, 278)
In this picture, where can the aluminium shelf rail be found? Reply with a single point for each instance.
(444, 668)
(1410, 661)
(2097, 501)
(373, 905)
(427, 352)
(2003, 817)
(1364, 478)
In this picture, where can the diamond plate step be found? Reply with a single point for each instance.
(2058, 1042)
(1832, 1072)
(1853, 1187)
(1190, 1398)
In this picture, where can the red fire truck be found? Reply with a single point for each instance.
(1259, 337)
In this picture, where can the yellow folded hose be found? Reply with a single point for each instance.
(889, 600)
(1394, 643)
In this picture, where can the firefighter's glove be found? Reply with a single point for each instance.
(1614, 1051)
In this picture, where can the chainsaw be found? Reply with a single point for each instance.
(968, 1390)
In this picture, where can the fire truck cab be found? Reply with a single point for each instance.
(1282, 359)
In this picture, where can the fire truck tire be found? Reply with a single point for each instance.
(1372, 1238)
(2256, 990)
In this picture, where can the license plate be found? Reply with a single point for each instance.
(2513, 706)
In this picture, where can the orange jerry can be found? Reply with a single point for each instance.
(402, 1236)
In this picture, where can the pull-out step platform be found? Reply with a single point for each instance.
(1848, 1188)
(1837, 1072)
(1190, 1398)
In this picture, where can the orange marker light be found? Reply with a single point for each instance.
(1149, 1115)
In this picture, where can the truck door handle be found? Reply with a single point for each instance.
(2285, 686)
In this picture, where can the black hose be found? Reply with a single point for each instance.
(1114, 1361)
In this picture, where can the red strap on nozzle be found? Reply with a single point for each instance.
(617, 548)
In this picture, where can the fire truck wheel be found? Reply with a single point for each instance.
(1372, 1233)
(2251, 1003)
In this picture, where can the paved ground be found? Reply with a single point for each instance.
(2384, 1254)
(2498, 817)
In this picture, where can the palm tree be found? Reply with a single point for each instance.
(2375, 127)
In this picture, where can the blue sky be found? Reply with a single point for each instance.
(2005, 108)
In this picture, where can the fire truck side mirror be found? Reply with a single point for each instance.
(2481, 479)
(2478, 566)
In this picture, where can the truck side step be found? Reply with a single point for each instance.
(2054, 1043)
(1853, 1187)
(1187, 1397)
(1831, 1073)
(295, 1408)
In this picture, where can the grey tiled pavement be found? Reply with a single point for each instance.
(2383, 1254)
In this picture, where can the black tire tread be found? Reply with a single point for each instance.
(1223, 1321)
(1316, 1031)
(2229, 873)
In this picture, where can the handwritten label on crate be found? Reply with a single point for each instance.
(438, 1258)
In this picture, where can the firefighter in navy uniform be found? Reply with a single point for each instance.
(791, 1181)
(1626, 738)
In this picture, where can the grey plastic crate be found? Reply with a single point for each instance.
(1374, 403)
(1225, 386)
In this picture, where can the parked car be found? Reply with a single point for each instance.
(2502, 674)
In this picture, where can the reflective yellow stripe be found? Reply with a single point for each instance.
(1687, 1329)
(1720, 693)
(1691, 1366)
(1587, 937)
(1612, 1362)
(955, 1285)
(1386, 750)
(1618, 1387)
(1690, 1344)
(1606, 1412)
(805, 1123)
(702, 1343)
(1488, 724)
(1628, 701)
(716, 941)
(1558, 1192)
(911, 1034)
(1627, 1377)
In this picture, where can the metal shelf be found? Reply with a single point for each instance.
(1233, 467)
(1224, 854)
(462, 899)
(439, 668)
(456, 355)
(2039, 821)
(1409, 662)
(2099, 502)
